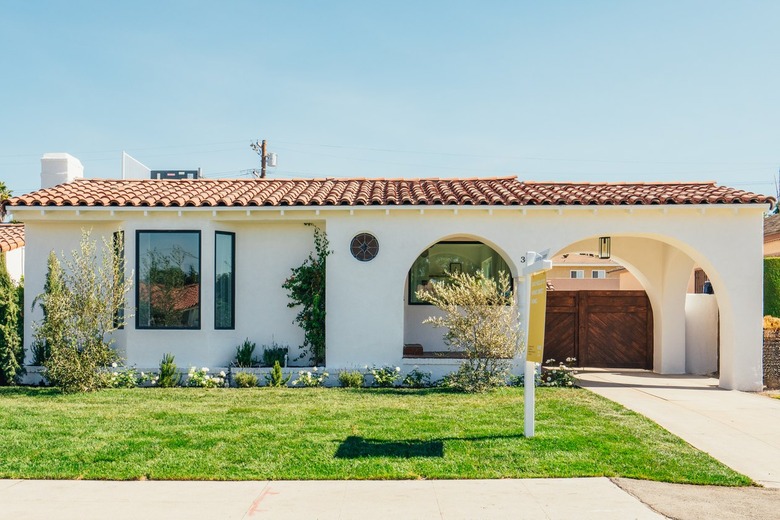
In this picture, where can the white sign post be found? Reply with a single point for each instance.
(536, 263)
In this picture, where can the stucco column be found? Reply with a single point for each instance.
(741, 340)
(663, 271)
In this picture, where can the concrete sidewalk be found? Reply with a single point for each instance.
(740, 429)
(586, 498)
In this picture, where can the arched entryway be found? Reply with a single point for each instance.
(467, 254)
(661, 325)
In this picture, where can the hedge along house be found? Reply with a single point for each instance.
(232, 244)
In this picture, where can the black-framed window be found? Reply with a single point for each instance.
(436, 263)
(224, 280)
(168, 279)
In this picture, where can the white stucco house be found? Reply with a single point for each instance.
(233, 242)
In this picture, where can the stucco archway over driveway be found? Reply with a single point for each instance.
(658, 230)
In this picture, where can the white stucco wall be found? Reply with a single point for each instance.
(14, 261)
(701, 334)
(366, 301)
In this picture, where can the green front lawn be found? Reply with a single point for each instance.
(264, 433)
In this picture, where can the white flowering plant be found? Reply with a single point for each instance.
(560, 375)
(385, 377)
(311, 378)
(127, 377)
(202, 379)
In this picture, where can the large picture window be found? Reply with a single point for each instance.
(168, 280)
(224, 281)
(436, 262)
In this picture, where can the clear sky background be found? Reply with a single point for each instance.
(555, 90)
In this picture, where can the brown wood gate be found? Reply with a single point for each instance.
(610, 329)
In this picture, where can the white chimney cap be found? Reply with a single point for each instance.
(57, 168)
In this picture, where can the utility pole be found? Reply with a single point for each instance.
(266, 159)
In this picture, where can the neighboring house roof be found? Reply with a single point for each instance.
(11, 236)
(500, 191)
(771, 226)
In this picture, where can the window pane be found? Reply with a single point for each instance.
(440, 259)
(119, 252)
(224, 282)
(168, 285)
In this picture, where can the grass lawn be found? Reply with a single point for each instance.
(265, 433)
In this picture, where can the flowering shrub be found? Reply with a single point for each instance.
(202, 379)
(128, 377)
(385, 377)
(351, 379)
(559, 376)
(311, 378)
(417, 379)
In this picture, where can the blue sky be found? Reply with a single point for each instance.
(555, 90)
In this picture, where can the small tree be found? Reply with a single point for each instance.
(11, 349)
(81, 311)
(306, 287)
(54, 304)
(482, 321)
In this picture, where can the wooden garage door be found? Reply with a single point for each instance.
(610, 329)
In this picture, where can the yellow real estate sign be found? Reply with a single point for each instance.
(536, 317)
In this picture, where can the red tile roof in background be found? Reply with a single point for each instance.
(11, 236)
(501, 191)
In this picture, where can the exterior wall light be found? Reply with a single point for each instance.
(605, 247)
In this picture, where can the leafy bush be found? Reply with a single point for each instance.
(385, 377)
(351, 379)
(244, 353)
(482, 321)
(306, 288)
(86, 312)
(273, 354)
(202, 379)
(558, 376)
(245, 380)
(168, 376)
(311, 378)
(11, 348)
(772, 286)
(51, 331)
(771, 323)
(417, 379)
(276, 377)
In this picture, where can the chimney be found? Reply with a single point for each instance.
(57, 168)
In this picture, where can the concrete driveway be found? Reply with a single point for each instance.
(740, 429)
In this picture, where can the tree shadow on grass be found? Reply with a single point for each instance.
(354, 447)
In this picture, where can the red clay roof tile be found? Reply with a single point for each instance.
(11, 236)
(501, 191)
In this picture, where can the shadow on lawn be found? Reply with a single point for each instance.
(354, 447)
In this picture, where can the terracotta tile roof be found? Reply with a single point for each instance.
(11, 236)
(501, 191)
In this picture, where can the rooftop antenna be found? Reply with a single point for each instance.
(266, 159)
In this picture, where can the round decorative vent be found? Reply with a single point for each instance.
(364, 247)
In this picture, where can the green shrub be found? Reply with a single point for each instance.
(276, 377)
(311, 378)
(385, 377)
(244, 353)
(80, 370)
(772, 286)
(351, 379)
(11, 349)
(417, 379)
(273, 354)
(245, 380)
(169, 376)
